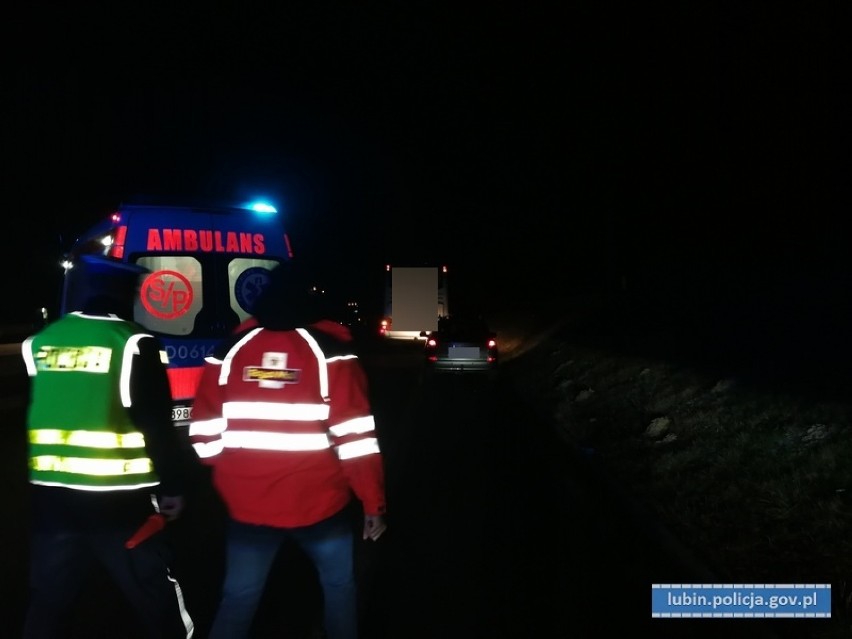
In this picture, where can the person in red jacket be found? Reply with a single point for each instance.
(283, 418)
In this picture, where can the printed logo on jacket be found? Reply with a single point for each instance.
(273, 372)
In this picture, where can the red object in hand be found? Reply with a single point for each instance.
(154, 524)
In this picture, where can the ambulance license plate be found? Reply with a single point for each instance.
(181, 413)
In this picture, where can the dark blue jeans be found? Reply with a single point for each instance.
(250, 553)
(71, 531)
(60, 560)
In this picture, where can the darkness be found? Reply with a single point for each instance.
(692, 157)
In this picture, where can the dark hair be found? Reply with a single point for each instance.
(286, 302)
(100, 286)
(108, 303)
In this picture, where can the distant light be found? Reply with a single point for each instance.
(262, 207)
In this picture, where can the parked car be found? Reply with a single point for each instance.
(461, 345)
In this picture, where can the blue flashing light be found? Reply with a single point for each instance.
(262, 207)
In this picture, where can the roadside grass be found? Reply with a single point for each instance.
(753, 473)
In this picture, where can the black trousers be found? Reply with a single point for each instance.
(70, 533)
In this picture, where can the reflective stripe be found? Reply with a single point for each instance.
(339, 358)
(215, 426)
(322, 366)
(94, 489)
(89, 438)
(275, 411)
(27, 352)
(130, 349)
(258, 440)
(354, 426)
(208, 449)
(229, 357)
(111, 317)
(361, 448)
(94, 467)
(188, 624)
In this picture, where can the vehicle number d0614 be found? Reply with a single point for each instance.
(181, 413)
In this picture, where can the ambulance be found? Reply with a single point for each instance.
(200, 270)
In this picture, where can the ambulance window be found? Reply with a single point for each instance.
(170, 296)
(246, 278)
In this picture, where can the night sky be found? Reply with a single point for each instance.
(680, 152)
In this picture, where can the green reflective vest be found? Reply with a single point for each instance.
(79, 428)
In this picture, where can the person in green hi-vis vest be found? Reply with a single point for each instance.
(103, 456)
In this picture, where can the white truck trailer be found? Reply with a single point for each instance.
(415, 299)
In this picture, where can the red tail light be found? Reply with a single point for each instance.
(116, 249)
(184, 381)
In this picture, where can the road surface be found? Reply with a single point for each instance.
(496, 530)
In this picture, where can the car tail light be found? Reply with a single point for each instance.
(430, 345)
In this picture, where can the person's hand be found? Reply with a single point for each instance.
(171, 506)
(374, 526)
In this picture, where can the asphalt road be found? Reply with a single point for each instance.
(496, 530)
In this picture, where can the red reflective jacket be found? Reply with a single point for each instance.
(284, 419)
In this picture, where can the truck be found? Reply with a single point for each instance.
(416, 297)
